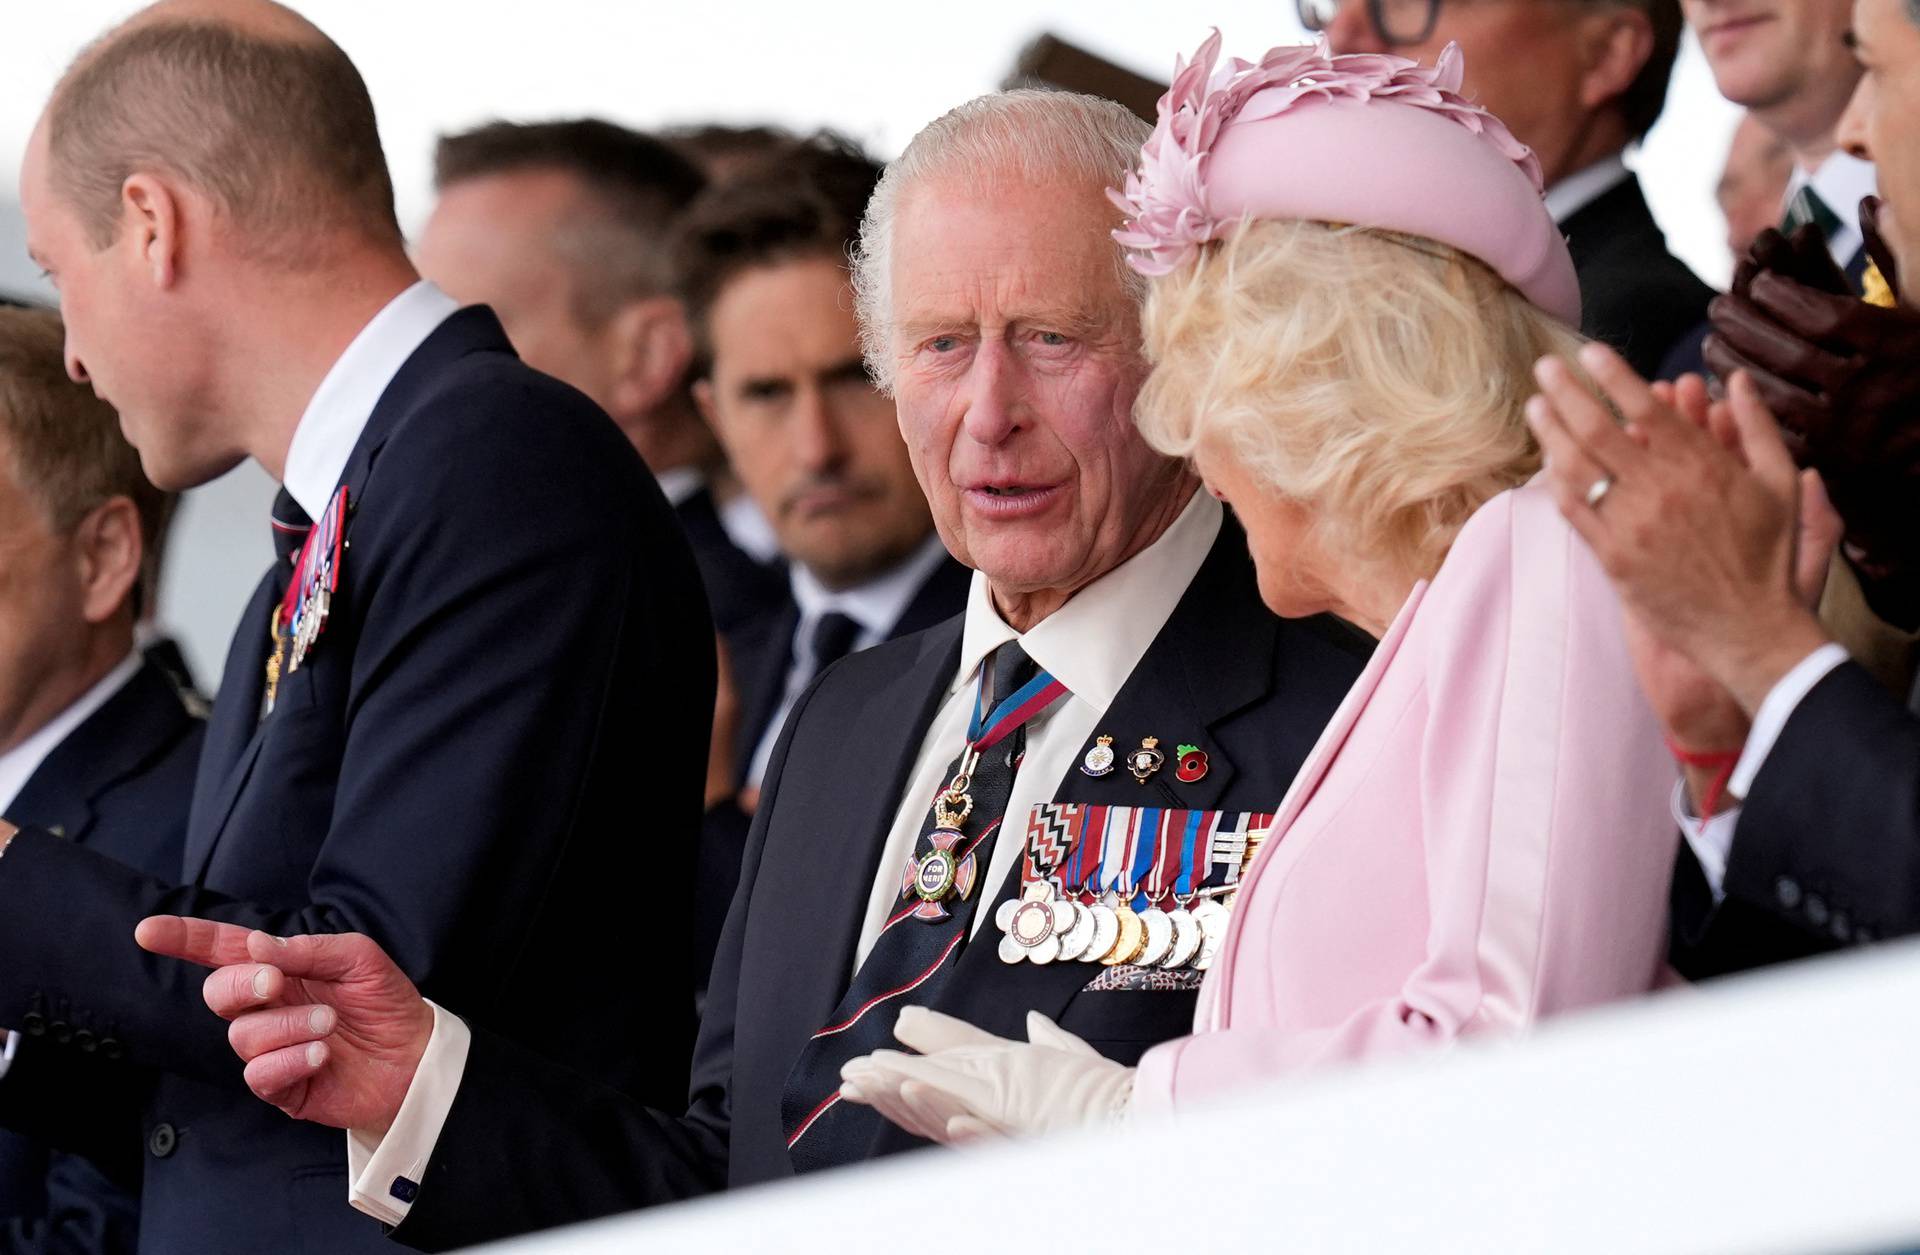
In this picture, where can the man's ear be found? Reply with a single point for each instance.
(109, 550)
(1617, 44)
(150, 216)
(652, 348)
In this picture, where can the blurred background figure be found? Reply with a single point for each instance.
(722, 151)
(1788, 63)
(1578, 82)
(1753, 184)
(96, 742)
(562, 228)
(779, 376)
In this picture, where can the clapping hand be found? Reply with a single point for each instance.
(1701, 530)
(331, 1031)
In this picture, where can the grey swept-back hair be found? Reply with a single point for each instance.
(1029, 133)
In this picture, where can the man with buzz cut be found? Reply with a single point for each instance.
(455, 712)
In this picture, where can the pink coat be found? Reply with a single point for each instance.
(1481, 837)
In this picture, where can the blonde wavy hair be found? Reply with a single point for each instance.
(1375, 378)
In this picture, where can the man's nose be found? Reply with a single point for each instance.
(1852, 132)
(992, 398)
(76, 369)
(1352, 29)
(818, 442)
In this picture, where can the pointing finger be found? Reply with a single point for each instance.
(203, 941)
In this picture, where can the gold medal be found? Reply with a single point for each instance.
(1133, 938)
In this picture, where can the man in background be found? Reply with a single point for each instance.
(1577, 82)
(96, 743)
(562, 228)
(1788, 63)
(780, 378)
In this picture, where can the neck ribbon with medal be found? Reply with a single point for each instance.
(302, 613)
(949, 870)
(1141, 887)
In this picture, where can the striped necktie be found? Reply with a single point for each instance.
(914, 955)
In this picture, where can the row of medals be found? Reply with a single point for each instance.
(1041, 926)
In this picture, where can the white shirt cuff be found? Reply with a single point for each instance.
(1710, 839)
(1778, 707)
(383, 1173)
(6, 1053)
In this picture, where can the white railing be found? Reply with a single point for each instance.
(1778, 1112)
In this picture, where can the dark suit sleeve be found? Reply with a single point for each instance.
(598, 1150)
(1827, 851)
(485, 663)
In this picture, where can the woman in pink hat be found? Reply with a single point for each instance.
(1352, 276)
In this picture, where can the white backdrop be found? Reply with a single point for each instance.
(876, 72)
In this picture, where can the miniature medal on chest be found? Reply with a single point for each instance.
(302, 613)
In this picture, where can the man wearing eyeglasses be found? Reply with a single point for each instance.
(1577, 81)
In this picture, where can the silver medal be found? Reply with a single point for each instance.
(1186, 938)
(1159, 937)
(1212, 918)
(1106, 931)
(1080, 935)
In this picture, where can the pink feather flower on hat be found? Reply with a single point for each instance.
(1165, 200)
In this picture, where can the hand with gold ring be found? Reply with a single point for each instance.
(1701, 530)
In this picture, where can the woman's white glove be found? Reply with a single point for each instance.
(966, 1083)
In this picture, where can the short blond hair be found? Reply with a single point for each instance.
(1377, 379)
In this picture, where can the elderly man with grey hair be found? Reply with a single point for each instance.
(1114, 610)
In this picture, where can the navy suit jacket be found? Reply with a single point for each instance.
(121, 784)
(1252, 690)
(762, 655)
(1827, 851)
(483, 763)
(743, 592)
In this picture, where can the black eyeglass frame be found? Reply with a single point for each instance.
(1308, 11)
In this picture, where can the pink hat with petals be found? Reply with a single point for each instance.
(1371, 141)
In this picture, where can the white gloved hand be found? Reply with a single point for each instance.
(966, 1083)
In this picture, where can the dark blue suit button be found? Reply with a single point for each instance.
(162, 1141)
(1816, 910)
(1841, 927)
(111, 1048)
(86, 1041)
(62, 1031)
(1787, 890)
(33, 1024)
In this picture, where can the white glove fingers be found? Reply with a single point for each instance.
(1042, 1031)
(930, 1032)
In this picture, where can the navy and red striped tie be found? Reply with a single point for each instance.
(912, 957)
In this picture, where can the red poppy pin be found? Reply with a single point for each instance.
(1192, 764)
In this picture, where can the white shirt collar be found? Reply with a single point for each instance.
(18, 764)
(680, 483)
(1578, 190)
(1840, 182)
(875, 605)
(748, 528)
(1094, 642)
(344, 401)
